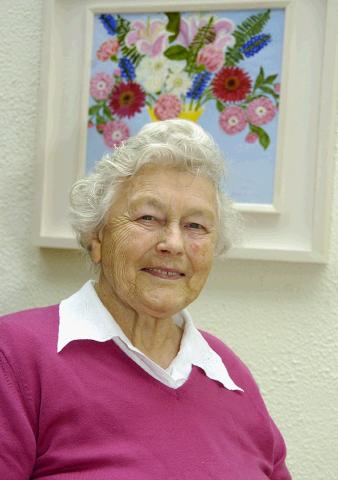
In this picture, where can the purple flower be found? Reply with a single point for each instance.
(127, 69)
(199, 84)
(109, 23)
(255, 44)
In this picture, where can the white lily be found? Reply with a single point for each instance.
(151, 73)
(178, 81)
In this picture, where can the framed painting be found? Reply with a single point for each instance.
(217, 68)
(252, 73)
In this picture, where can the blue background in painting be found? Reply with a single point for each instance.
(251, 169)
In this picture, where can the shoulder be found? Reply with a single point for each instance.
(225, 352)
(30, 319)
(29, 328)
(237, 369)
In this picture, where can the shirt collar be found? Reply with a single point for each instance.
(84, 317)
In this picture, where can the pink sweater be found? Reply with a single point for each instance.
(91, 413)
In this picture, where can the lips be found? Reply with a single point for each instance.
(164, 272)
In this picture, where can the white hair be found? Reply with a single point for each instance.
(178, 143)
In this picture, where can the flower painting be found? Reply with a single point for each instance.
(221, 69)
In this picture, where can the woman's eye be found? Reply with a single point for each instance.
(148, 217)
(196, 226)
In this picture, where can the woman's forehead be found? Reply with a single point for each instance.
(170, 177)
(161, 186)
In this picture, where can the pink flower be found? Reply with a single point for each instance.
(261, 111)
(277, 87)
(167, 106)
(117, 72)
(251, 137)
(148, 37)
(232, 120)
(223, 29)
(108, 49)
(188, 29)
(224, 37)
(115, 132)
(101, 85)
(211, 57)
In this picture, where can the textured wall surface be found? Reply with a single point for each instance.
(281, 318)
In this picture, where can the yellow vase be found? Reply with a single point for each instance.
(186, 114)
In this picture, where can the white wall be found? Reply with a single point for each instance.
(280, 317)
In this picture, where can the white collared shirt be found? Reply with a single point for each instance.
(84, 317)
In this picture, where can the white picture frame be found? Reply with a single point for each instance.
(296, 226)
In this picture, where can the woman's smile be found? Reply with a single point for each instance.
(165, 274)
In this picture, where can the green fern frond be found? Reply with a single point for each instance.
(233, 57)
(247, 29)
(252, 26)
(204, 35)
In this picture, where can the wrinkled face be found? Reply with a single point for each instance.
(157, 246)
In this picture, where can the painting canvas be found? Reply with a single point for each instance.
(221, 69)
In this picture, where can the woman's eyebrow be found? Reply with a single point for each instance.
(157, 203)
(147, 200)
(206, 214)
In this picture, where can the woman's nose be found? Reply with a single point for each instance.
(171, 240)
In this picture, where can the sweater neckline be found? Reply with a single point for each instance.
(176, 392)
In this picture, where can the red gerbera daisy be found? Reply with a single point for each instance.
(231, 84)
(127, 99)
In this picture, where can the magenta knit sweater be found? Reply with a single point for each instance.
(91, 413)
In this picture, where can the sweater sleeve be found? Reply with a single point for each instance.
(280, 471)
(17, 438)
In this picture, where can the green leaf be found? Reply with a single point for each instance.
(219, 105)
(107, 112)
(198, 69)
(250, 98)
(94, 109)
(263, 137)
(233, 57)
(173, 25)
(100, 120)
(269, 91)
(260, 78)
(176, 52)
(271, 78)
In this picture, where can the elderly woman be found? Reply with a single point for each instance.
(116, 382)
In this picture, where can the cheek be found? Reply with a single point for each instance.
(115, 252)
(201, 251)
(201, 262)
(126, 245)
(195, 248)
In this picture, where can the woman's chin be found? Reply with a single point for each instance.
(162, 306)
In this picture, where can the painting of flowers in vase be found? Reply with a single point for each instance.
(221, 69)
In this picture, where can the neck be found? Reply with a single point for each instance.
(158, 338)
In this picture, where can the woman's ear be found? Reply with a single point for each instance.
(95, 248)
